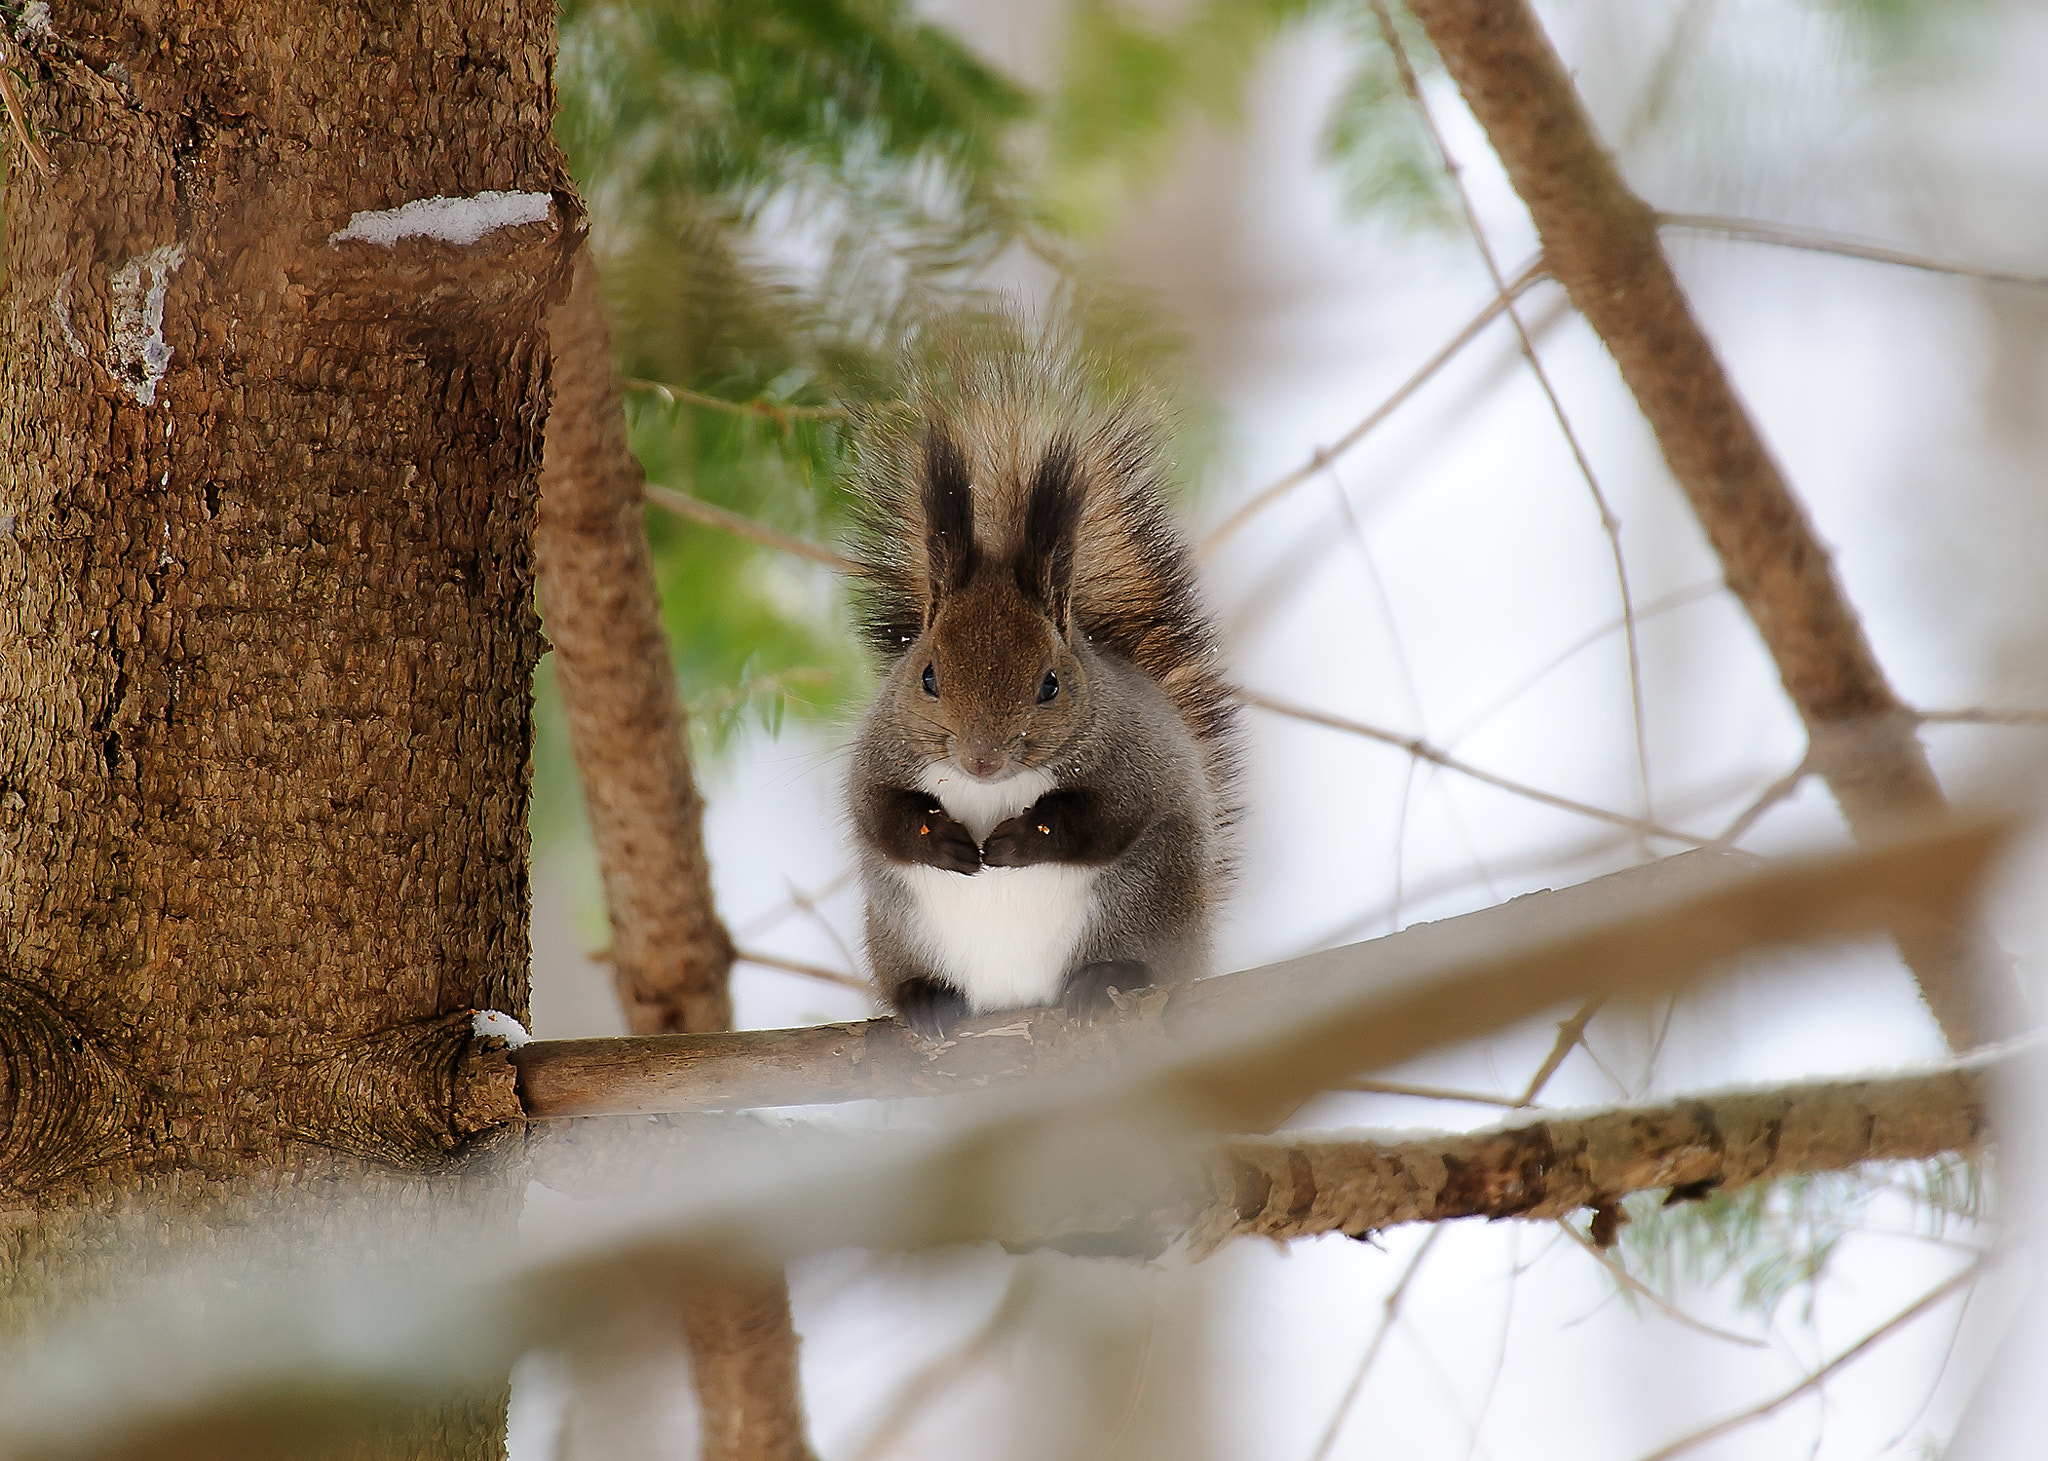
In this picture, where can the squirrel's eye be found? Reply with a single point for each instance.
(931, 682)
(1048, 687)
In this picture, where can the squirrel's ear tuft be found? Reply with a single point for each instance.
(1045, 563)
(948, 518)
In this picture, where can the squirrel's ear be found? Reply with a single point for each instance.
(1045, 564)
(948, 518)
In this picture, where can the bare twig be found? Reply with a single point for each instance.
(1982, 717)
(809, 971)
(1969, 1275)
(946, 1371)
(1390, 1311)
(1422, 751)
(1609, 523)
(1770, 797)
(1430, 1093)
(775, 411)
(1786, 236)
(1654, 1299)
(1656, 607)
(1570, 1033)
(1601, 242)
(797, 902)
(17, 113)
(1323, 456)
(699, 511)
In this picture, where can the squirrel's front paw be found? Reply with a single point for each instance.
(1087, 994)
(930, 1008)
(1024, 841)
(944, 843)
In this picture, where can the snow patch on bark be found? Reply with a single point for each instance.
(141, 357)
(486, 1023)
(448, 220)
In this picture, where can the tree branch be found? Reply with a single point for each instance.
(671, 957)
(1648, 929)
(1549, 1168)
(1600, 242)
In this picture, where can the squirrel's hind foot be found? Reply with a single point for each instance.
(930, 1008)
(1087, 995)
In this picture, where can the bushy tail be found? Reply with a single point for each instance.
(1007, 404)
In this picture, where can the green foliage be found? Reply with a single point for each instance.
(1131, 88)
(1775, 1239)
(780, 193)
(1376, 142)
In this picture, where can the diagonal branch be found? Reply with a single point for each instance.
(671, 957)
(1600, 242)
(1645, 930)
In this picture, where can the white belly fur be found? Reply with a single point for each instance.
(1005, 937)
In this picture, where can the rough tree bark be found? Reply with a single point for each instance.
(671, 957)
(1600, 242)
(266, 625)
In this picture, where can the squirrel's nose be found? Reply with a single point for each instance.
(985, 762)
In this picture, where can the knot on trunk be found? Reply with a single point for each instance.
(65, 1106)
(411, 1096)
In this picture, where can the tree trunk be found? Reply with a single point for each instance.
(267, 485)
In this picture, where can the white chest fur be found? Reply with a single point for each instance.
(1005, 936)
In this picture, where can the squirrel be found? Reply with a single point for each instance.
(1041, 791)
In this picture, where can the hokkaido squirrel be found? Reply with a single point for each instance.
(1042, 788)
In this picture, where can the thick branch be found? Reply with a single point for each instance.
(671, 956)
(1600, 242)
(1552, 1167)
(1646, 929)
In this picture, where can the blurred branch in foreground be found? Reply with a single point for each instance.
(289, 1358)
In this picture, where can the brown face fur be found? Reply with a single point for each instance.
(989, 649)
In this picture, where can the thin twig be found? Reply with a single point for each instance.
(1785, 236)
(773, 410)
(1771, 795)
(1609, 523)
(1323, 456)
(790, 907)
(1428, 1093)
(1656, 1300)
(1423, 751)
(948, 1369)
(1570, 1033)
(809, 971)
(1982, 717)
(1391, 1312)
(1676, 600)
(699, 511)
(17, 113)
(1905, 1316)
